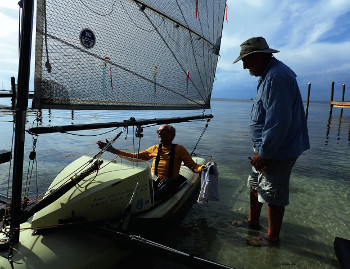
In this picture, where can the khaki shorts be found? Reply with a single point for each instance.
(273, 184)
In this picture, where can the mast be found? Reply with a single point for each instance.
(20, 115)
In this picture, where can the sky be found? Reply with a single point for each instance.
(313, 38)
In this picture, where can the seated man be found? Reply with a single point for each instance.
(167, 159)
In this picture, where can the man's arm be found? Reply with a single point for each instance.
(278, 116)
(143, 155)
(188, 161)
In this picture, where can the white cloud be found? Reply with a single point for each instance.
(8, 43)
(9, 4)
(301, 30)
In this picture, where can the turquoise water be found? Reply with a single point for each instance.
(319, 207)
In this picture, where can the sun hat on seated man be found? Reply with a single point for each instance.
(253, 45)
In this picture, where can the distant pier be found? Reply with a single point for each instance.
(342, 104)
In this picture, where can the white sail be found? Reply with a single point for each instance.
(126, 54)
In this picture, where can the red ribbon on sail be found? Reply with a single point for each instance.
(104, 75)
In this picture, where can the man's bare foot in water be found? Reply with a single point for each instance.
(246, 224)
(262, 241)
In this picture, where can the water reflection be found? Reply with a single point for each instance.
(340, 121)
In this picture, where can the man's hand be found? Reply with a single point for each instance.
(101, 145)
(259, 163)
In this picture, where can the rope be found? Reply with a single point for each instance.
(91, 135)
(47, 64)
(32, 161)
(174, 55)
(106, 14)
(12, 145)
(200, 137)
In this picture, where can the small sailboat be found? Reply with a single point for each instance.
(107, 54)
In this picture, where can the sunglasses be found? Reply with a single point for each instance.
(159, 131)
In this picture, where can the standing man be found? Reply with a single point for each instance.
(279, 133)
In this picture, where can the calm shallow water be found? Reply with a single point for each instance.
(320, 191)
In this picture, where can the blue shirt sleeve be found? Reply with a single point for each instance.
(278, 106)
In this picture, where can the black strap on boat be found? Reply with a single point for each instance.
(157, 160)
(171, 163)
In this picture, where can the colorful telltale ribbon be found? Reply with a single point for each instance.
(106, 59)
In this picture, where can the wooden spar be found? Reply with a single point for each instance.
(130, 122)
(20, 117)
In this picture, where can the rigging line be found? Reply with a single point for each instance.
(219, 32)
(213, 36)
(151, 30)
(121, 67)
(91, 135)
(12, 145)
(32, 161)
(193, 52)
(100, 14)
(138, 150)
(200, 137)
(36, 178)
(177, 60)
(204, 62)
(210, 59)
(213, 23)
(69, 176)
(173, 20)
(29, 171)
(133, 138)
(47, 64)
(97, 171)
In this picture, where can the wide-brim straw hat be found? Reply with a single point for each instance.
(254, 45)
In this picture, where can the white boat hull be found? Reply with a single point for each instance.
(73, 247)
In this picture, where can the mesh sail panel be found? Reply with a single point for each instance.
(124, 54)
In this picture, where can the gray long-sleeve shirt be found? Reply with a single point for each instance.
(278, 126)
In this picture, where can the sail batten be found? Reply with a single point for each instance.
(134, 54)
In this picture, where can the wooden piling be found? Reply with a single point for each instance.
(307, 100)
(330, 102)
(342, 103)
(342, 99)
